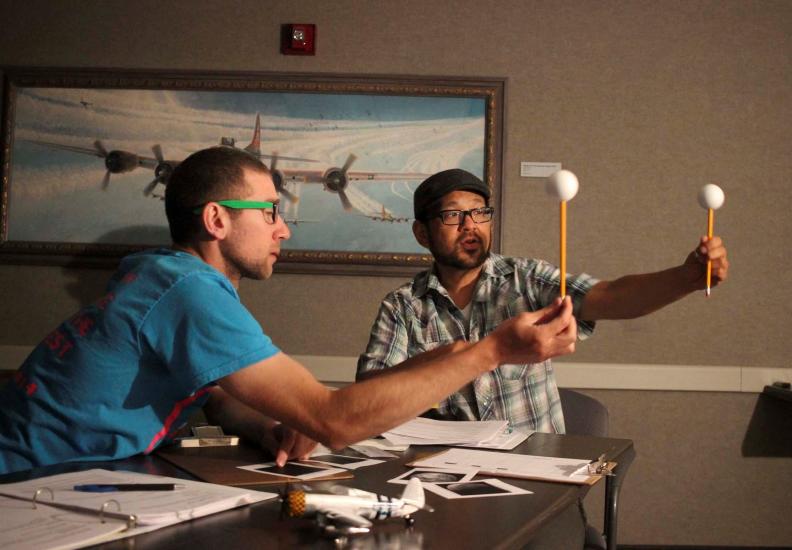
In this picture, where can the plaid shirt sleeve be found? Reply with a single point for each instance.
(388, 341)
(543, 283)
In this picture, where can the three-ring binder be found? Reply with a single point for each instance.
(102, 512)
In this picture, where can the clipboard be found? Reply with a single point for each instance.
(219, 465)
(595, 469)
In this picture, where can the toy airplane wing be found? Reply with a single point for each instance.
(413, 496)
(344, 516)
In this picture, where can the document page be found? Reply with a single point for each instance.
(425, 431)
(566, 470)
(45, 527)
(191, 500)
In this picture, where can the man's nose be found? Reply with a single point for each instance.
(284, 233)
(466, 221)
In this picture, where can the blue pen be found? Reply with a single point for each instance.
(113, 487)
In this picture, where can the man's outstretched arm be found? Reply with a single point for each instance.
(637, 295)
(282, 389)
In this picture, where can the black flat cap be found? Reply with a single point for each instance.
(436, 186)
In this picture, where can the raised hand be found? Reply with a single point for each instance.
(537, 336)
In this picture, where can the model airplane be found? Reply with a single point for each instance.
(349, 511)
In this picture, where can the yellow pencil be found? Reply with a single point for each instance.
(711, 198)
(562, 185)
(710, 224)
(563, 248)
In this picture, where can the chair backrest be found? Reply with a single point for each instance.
(583, 415)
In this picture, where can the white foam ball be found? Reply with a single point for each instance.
(711, 196)
(562, 184)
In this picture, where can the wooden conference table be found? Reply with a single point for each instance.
(497, 522)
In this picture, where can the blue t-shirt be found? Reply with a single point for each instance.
(125, 372)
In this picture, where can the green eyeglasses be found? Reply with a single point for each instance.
(268, 209)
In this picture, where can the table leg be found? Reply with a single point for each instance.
(612, 488)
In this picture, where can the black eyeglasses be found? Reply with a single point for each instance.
(269, 209)
(457, 217)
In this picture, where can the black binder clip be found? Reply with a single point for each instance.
(600, 467)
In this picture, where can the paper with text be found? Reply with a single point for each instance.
(566, 470)
(70, 529)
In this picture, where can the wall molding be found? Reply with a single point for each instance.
(341, 370)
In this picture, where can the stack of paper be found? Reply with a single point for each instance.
(548, 468)
(65, 518)
(425, 431)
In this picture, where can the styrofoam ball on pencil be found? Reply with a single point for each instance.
(562, 185)
(711, 196)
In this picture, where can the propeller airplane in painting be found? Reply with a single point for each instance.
(335, 180)
(118, 161)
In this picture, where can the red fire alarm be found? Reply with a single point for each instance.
(298, 39)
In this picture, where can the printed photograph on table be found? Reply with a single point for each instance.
(344, 461)
(87, 155)
(430, 475)
(475, 489)
(291, 469)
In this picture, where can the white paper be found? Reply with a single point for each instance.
(425, 431)
(66, 529)
(151, 507)
(380, 443)
(505, 441)
(25, 528)
(549, 468)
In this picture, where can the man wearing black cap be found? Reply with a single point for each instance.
(470, 291)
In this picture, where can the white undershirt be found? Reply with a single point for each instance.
(466, 312)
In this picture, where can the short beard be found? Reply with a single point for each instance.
(458, 261)
(244, 267)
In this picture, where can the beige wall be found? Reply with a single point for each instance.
(646, 101)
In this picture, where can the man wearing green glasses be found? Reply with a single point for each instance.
(170, 335)
(470, 292)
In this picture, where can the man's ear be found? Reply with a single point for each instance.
(421, 232)
(215, 221)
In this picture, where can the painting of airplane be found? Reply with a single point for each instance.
(117, 161)
(349, 511)
(345, 165)
(334, 180)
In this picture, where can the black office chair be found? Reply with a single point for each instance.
(584, 415)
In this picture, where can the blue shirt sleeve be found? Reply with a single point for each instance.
(201, 331)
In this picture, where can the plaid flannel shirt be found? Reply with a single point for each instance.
(420, 316)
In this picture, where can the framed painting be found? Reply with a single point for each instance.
(86, 156)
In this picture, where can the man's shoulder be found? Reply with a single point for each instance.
(505, 265)
(409, 293)
(166, 269)
(406, 291)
